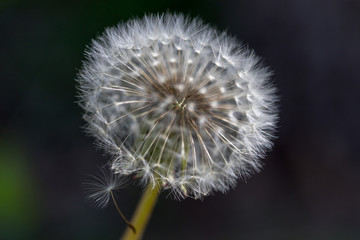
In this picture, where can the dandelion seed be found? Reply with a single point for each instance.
(101, 188)
(176, 101)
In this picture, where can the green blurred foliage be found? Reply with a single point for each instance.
(18, 201)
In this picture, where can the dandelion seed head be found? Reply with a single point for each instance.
(176, 101)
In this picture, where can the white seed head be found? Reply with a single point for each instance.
(176, 101)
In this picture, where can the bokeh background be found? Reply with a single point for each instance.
(309, 187)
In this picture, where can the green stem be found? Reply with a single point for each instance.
(142, 213)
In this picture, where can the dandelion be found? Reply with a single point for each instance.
(178, 104)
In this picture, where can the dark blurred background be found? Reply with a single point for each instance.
(309, 187)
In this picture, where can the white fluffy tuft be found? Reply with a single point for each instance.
(99, 187)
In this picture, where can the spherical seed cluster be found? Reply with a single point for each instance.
(175, 101)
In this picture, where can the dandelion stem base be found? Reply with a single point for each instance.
(142, 213)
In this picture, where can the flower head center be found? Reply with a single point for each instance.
(180, 105)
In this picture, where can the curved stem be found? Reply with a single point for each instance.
(121, 214)
(142, 213)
